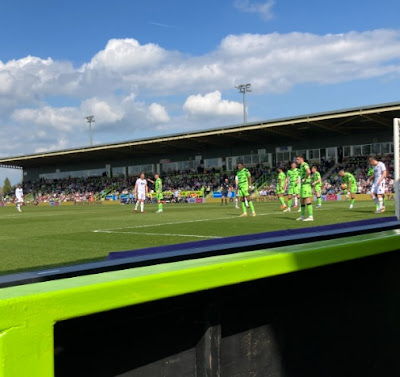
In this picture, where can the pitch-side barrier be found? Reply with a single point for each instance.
(323, 301)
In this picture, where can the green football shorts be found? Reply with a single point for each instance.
(280, 190)
(318, 189)
(305, 191)
(353, 189)
(244, 191)
(294, 190)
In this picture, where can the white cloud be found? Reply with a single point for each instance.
(58, 119)
(105, 112)
(6, 82)
(125, 55)
(211, 104)
(121, 83)
(272, 62)
(158, 113)
(59, 144)
(263, 9)
(276, 62)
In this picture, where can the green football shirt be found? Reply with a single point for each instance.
(303, 174)
(316, 177)
(348, 177)
(281, 180)
(293, 175)
(243, 177)
(158, 186)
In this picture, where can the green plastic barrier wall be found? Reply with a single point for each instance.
(28, 313)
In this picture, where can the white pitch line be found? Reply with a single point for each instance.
(158, 234)
(179, 222)
(113, 230)
(169, 223)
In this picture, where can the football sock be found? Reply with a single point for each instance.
(289, 203)
(295, 200)
(141, 206)
(380, 203)
(319, 201)
(282, 200)
(244, 207)
(251, 205)
(303, 210)
(309, 209)
(352, 201)
(160, 206)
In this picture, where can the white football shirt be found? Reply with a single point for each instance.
(378, 171)
(141, 185)
(19, 193)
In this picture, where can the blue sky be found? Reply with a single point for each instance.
(164, 66)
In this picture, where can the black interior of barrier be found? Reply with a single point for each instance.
(340, 320)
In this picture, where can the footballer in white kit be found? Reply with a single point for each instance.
(141, 191)
(379, 186)
(19, 197)
(236, 191)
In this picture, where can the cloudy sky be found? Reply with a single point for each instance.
(165, 66)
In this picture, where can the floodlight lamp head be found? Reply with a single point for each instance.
(243, 88)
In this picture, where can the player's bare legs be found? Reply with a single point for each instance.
(141, 203)
(378, 199)
(236, 202)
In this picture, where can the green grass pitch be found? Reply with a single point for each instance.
(45, 236)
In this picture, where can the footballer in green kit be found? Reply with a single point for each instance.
(349, 184)
(244, 187)
(158, 191)
(305, 190)
(281, 185)
(293, 176)
(317, 185)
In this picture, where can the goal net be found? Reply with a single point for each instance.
(396, 152)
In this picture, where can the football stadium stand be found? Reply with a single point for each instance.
(200, 160)
(307, 302)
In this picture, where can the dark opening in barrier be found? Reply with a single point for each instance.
(338, 320)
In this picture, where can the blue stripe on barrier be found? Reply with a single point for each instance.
(250, 237)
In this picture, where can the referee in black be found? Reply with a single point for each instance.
(224, 191)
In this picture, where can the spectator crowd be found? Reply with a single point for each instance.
(207, 181)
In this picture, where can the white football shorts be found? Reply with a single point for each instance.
(378, 189)
(141, 195)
